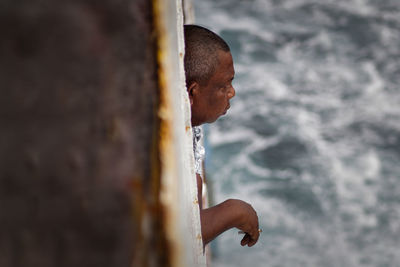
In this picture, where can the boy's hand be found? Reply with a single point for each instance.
(226, 215)
(248, 223)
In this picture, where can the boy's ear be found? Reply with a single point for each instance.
(192, 90)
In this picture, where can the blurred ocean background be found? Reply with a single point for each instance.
(312, 139)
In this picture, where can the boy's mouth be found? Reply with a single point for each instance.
(227, 108)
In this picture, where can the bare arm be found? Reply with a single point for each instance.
(228, 214)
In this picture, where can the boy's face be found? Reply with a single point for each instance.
(209, 102)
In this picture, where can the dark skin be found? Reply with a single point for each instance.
(208, 103)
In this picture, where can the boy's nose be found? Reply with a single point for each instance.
(232, 92)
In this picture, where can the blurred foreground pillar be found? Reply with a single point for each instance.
(80, 162)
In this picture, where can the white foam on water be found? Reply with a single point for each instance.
(376, 84)
(216, 138)
(329, 97)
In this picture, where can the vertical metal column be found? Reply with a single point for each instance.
(179, 187)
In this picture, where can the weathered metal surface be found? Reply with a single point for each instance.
(96, 162)
(178, 187)
(79, 178)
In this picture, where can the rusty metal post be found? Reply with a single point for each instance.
(79, 156)
(178, 182)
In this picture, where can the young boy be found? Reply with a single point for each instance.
(209, 74)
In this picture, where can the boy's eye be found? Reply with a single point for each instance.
(224, 87)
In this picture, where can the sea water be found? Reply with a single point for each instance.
(312, 139)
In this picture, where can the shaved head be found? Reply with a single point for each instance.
(201, 53)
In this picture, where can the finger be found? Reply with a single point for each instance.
(254, 238)
(245, 240)
(252, 242)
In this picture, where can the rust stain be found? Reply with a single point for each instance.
(187, 128)
(152, 247)
(162, 146)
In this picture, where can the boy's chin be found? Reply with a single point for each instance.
(213, 120)
(218, 117)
